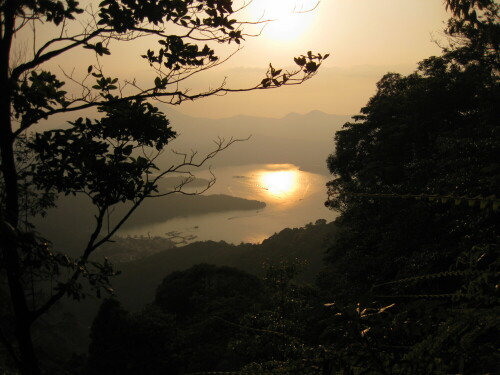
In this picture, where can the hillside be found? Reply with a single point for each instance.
(137, 284)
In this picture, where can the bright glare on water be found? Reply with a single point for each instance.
(280, 183)
(293, 198)
(281, 186)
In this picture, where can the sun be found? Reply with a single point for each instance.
(288, 19)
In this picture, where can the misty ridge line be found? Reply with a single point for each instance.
(302, 139)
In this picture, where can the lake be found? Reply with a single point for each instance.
(293, 198)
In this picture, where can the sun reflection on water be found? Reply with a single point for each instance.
(293, 197)
(280, 183)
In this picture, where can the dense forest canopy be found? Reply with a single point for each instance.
(414, 270)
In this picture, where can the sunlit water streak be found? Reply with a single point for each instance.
(293, 198)
(280, 183)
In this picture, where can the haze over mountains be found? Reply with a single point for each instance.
(304, 140)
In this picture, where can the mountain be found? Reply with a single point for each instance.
(137, 284)
(304, 140)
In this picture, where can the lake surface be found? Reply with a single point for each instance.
(293, 198)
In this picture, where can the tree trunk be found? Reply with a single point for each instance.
(9, 214)
(9, 245)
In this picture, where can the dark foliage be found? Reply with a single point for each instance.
(413, 275)
(124, 343)
(203, 298)
(206, 290)
(307, 244)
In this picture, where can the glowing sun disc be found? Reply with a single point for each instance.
(288, 18)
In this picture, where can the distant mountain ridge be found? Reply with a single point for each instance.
(315, 122)
(305, 140)
(302, 139)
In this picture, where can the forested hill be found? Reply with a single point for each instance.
(141, 277)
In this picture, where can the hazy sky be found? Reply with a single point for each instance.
(366, 38)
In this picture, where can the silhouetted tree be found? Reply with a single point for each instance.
(433, 132)
(412, 274)
(110, 159)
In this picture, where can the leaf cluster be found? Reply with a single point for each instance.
(175, 54)
(36, 94)
(97, 157)
(307, 64)
(123, 16)
(55, 11)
